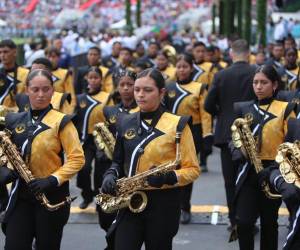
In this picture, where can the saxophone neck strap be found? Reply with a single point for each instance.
(181, 125)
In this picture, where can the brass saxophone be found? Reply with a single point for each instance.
(129, 192)
(12, 155)
(243, 139)
(3, 112)
(288, 158)
(104, 139)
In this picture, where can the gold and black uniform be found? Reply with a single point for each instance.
(63, 83)
(269, 126)
(112, 115)
(59, 101)
(291, 78)
(145, 140)
(12, 82)
(169, 74)
(200, 75)
(187, 98)
(89, 111)
(289, 191)
(43, 137)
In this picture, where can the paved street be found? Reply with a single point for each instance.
(83, 232)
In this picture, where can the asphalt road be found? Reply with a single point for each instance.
(83, 232)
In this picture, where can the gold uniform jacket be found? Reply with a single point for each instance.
(200, 75)
(169, 74)
(12, 83)
(89, 111)
(63, 83)
(188, 99)
(269, 123)
(139, 147)
(273, 115)
(53, 135)
(291, 78)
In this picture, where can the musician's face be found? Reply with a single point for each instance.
(161, 62)
(183, 70)
(39, 91)
(7, 55)
(291, 56)
(147, 94)
(125, 88)
(263, 86)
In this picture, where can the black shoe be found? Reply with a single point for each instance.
(84, 204)
(204, 169)
(185, 217)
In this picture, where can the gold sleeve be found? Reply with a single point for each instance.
(66, 108)
(189, 168)
(73, 151)
(206, 120)
(204, 78)
(69, 88)
(107, 83)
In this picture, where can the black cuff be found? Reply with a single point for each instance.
(53, 181)
(171, 178)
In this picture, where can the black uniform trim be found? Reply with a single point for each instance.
(65, 120)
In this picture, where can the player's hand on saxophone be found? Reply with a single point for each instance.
(109, 182)
(42, 185)
(158, 181)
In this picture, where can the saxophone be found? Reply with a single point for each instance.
(10, 154)
(243, 139)
(129, 192)
(288, 158)
(104, 139)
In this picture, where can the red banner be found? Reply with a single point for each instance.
(88, 4)
(31, 6)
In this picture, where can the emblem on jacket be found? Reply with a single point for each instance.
(172, 93)
(249, 116)
(2, 82)
(82, 104)
(20, 128)
(130, 134)
(112, 119)
(296, 100)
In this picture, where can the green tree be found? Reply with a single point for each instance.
(128, 16)
(246, 18)
(261, 10)
(138, 13)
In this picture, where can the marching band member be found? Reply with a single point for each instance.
(147, 139)
(269, 125)
(186, 97)
(42, 135)
(125, 82)
(89, 111)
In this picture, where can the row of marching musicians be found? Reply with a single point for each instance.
(153, 148)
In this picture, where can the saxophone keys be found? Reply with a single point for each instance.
(290, 178)
(284, 168)
(279, 158)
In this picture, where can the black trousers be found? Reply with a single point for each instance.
(84, 175)
(3, 197)
(296, 242)
(30, 220)
(155, 226)
(105, 220)
(229, 171)
(252, 203)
